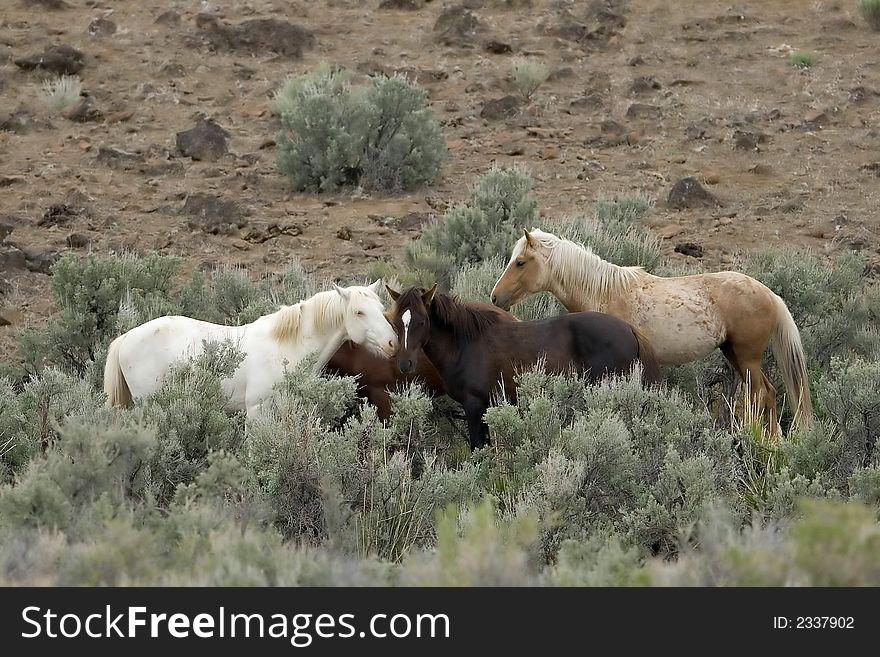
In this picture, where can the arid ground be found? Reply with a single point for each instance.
(641, 95)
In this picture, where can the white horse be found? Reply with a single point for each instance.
(139, 359)
(684, 317)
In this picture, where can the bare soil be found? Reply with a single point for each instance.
(642, 94)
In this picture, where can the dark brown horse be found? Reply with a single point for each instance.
(377, 376)
(474, 351)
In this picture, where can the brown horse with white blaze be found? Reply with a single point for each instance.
(685, 317)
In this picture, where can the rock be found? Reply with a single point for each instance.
(761, 169)
(872, 168)
(689, 193)
(118, 117)
(643, 111)
(102, 27)
(689, 249)
(501, 108)
(406, 5)
(62, 60)
(550, 153)
(213, 214)
(83, 111)
(168, 18)
(792, 205)
(60, 213)
(635, 60)
(815, 118)
(561, 73)
(9, 181)
(77, 241)
(10, 316)
(205, 141)
(644, 84)
(6, 228)
(21, 121)
(513, 148)
(12, 259)
(593, 101)
(42, 262)
(116, 158)
(589, 23)
(172, 70)
(497, 47)
(457, 26)
(633, 137)
(257, 36)
(694, 131)
(748, 141)
(48, 4)
(344, 233)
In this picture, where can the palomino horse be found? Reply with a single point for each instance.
(376, 375)
(475, 351)
(139, 359)
(685, 317)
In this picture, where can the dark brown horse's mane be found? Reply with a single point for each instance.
(465, 321)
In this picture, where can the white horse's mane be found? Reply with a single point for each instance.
(327, 310)
(575, 266)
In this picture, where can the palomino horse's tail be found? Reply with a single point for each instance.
(115, 385)
(789, 354)
(651, 373)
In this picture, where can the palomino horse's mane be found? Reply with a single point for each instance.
(466, 322)
(326, 309)
(575, 266)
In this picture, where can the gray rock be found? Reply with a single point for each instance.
(689, 193)
(205, 141)
(501, 108)
(63, 60)
(213, 214)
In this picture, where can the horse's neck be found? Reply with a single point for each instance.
(601, 286)
(324, 334)
(442, 350)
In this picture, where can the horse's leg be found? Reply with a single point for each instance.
(379, 397)
(728, 392)
(761, 391)
(478, 432)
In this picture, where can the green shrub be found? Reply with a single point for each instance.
(500, 206)
(382, 136)
(61, 92)
(528, 75)
(870, 11)
(802, 59)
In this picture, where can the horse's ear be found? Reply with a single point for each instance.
(376, 286)
(530, 241)
(428, 295)
(342, 291)
(395, 295)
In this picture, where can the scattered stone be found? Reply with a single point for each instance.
(48, 4)
(872, 168)
(257, 36)
(21, 121)
(501, 108)
(643, 111)
(60, 213)
(172, 70)
(694, 131)
(9, 181)
(344, 233)
(761, 170)
(62, 60)
(644, 84)
(116, 158)
(689, 249)
(792, 205)
(10, 316)
(11, 259)
(406, 5)
(77, 241)
(513, 148)
(42, 262)
(457, 26)
(689, 193)
(205, 141)
(83, 111)
(7, 225)
(561, 73)
(118, 117)
(264, 234)
(497, 47)
(636, 60)
(815, 119)
(102, 27)
(550, 153)
(593, 101)
(748, 141)
(633, 137)
(860, 94)
(168, 18)
(213, 214)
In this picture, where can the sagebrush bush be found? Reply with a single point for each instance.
(381, 136)
(61, 92)
(870, 11)
(802, 59)
(501, 204)
(527, 75)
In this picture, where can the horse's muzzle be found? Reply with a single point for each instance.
(406, 365)
(502, 302)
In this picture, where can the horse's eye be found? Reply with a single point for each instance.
(520, 263)
(360, 313)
